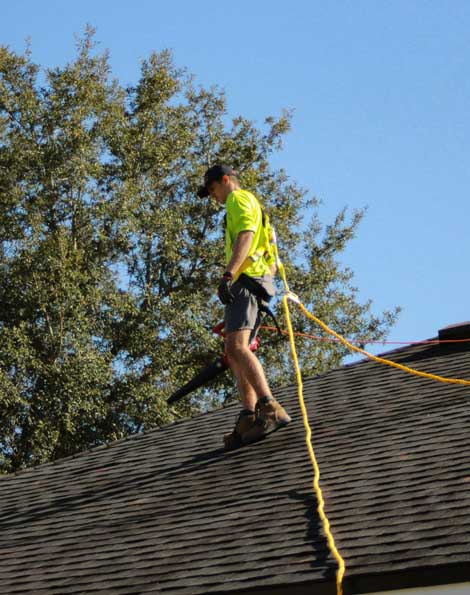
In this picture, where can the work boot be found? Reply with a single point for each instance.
(247, 429)
(271, 414)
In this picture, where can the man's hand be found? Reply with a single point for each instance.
(224, 290)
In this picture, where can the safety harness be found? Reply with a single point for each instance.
(220, 365)
(266, 251)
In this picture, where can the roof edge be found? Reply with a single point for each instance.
(424, 576)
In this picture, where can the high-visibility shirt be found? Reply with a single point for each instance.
(244, 214)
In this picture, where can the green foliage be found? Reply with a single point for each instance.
(109, 261)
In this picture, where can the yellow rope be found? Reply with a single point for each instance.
(381, 360)
(316, 481)
(308, 440)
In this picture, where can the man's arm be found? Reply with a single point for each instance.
(240, 251)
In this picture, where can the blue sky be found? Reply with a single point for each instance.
(381, 98)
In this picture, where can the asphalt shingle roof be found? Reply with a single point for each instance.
(169, 512)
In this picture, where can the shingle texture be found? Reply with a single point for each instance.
(169, 512)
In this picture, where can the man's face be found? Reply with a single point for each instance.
(220, 189)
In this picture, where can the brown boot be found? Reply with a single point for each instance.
(247, 429)
(271, 414)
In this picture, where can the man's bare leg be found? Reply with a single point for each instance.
(247, 394)
(268, 414)
(246, 368)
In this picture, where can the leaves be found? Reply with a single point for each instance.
(109, 261)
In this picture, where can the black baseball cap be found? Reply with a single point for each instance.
(213, 174)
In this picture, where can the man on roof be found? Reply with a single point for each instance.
(248, 277)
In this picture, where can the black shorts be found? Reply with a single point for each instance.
(243, 312)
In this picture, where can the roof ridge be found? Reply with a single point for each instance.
(140, 435)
